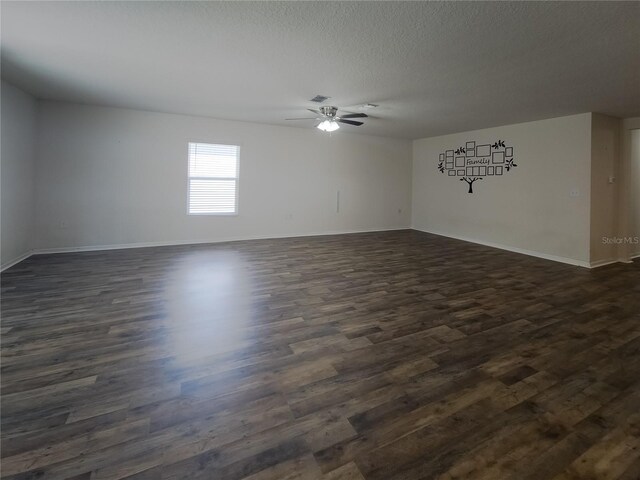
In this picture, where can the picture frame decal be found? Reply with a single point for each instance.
(475, 161)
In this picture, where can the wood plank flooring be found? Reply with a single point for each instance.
(392, 355)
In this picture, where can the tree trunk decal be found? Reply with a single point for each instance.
(470, 182)
(472, 162)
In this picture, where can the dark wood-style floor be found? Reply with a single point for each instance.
(395, 355)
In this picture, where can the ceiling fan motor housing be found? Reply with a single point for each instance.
(328, 111)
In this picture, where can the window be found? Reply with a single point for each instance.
(213, 179)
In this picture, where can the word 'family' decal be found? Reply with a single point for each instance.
(475, 162)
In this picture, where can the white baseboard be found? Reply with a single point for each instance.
(94, 248)
(532, 253)
(16, 260)
(602, 263)
(122, 246)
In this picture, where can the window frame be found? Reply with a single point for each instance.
(236, 178)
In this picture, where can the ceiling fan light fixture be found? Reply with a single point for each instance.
(329, 126)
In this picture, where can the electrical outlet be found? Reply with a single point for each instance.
(574, 193)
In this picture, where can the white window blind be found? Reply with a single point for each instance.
(213, 178)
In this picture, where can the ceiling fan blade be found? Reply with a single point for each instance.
(354, 115)
(303, 118)
(314, 111)
(350, 122)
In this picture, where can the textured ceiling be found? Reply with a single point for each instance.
(433, 67)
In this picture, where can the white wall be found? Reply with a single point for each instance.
(110, 176)
(628, 186)
(19, 112)
(605, 157)
(529, 209)
(635, 191)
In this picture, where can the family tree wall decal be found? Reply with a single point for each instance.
(475, 162)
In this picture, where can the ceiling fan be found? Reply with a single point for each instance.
(328, 118)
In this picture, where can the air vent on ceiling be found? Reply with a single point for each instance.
(319, 98)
